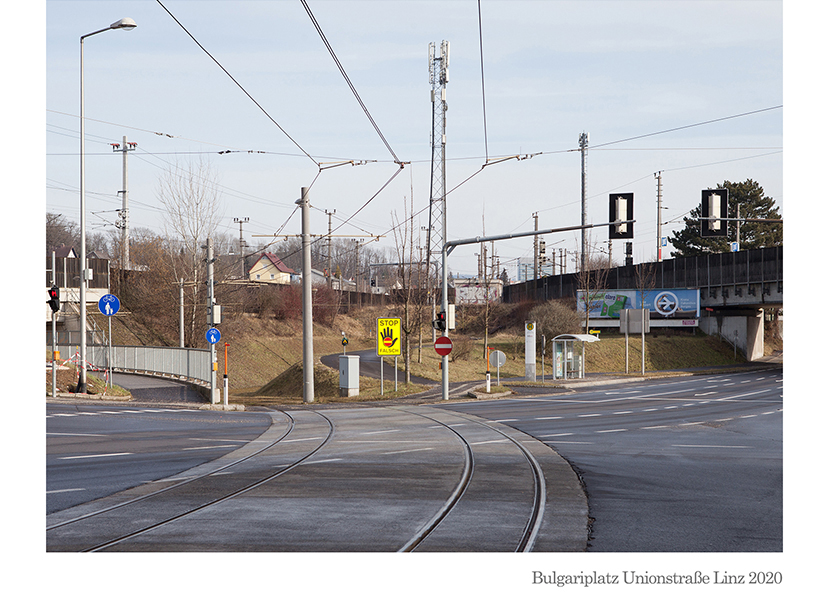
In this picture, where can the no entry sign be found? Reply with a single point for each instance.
(443, 346)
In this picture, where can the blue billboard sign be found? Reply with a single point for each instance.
(678, 303)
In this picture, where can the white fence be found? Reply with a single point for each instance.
(180, 363)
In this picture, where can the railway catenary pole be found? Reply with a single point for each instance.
(307, 298)
(123, 222)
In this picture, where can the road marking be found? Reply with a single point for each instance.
(560, 434)
(499, 440)
(63, 415)
(299, 440)
(210, 447)
(591, 415)
(323, 461)
(691, 423)
(573, 443)
(725, 419)
(408, 450)
(652, 409)
(705, 393)
(747, 416)
(61, 491)
(653, 427)
(380, 431)
(673, 407)
(554, 417)
(502, 421)
(71, 434)
(622, 412)
(744, 395)
(716, 446)
(617, 430)
(83, 457)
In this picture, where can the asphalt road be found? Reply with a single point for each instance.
(677, 465)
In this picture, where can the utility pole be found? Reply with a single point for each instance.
(330, 248)
(211, 313)
(659, 177)
(583, 147)
(181, 311)
(123, 222)
(242, 244)
(307, 297)
(535, 248)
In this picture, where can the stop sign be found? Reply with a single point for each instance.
(443, 346)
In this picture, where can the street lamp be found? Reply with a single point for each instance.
(124, 24)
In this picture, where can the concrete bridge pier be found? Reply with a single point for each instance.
(743, 328)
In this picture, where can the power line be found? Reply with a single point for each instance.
(254, 101)
(347, 80)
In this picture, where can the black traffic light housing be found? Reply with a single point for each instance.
(54, 299)
(620, 208)
(440, 323)
(714, 206)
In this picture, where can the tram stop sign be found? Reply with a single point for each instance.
(443, 346)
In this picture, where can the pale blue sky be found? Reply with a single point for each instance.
(614, 69)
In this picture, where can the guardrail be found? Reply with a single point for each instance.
(186, 364)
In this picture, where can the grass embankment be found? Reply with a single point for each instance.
(67, 377)
(261, 350)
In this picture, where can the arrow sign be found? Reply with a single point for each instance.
(213, 335)
(443, 346)
(109, 305)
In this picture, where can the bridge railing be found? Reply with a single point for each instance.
(186, 364)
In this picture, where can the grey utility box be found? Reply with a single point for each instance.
(348, 375)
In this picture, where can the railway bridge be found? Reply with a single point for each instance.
(737, 290)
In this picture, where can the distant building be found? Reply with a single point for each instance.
(270, 269)
(472, 291)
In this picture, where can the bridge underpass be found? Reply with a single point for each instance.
(737, 290)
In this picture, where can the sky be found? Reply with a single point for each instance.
(552, 70)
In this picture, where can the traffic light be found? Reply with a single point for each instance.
(440, 323)
(54, 298)
(620, 209)
(713, 212)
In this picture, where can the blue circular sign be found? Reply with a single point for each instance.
(109, 305)
(213, 335)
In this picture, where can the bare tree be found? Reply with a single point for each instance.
(189, 194)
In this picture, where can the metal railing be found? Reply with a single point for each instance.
(186, 364)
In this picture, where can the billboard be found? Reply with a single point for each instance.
(664, 304)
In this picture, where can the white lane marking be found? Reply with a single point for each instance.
(203, 448)
(323, 461)
(379, 432)
(744, 395)
(617, 430)
(716, 446)
(591, 415)
(71, 434)
(408, 450)
(624, 412)
(652, 409)
(61, 491)
(572, 443)
(63, 415)
(554, 417)
(691, 423)
(500, 440)
(653, 427)
(502, 421)
(559, 434)
(299, 440)
(83, 457)
(725, 419)
(673, 407)
(747, 416)
(705, 393)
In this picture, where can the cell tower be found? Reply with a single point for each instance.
(437, 233)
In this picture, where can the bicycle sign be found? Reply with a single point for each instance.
(388, 337)
(213, 335)
(109, 304)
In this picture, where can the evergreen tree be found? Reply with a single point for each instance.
(754, 203)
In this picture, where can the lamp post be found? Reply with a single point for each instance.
(123, 24)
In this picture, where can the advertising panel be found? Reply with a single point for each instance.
(664, 304)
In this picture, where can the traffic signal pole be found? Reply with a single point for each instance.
(450, 246)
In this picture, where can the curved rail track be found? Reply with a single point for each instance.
(459, 484)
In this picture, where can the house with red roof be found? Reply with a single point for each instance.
(271, 269)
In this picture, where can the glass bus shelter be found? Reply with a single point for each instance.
(569, 355)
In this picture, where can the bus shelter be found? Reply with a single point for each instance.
(569, 355)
